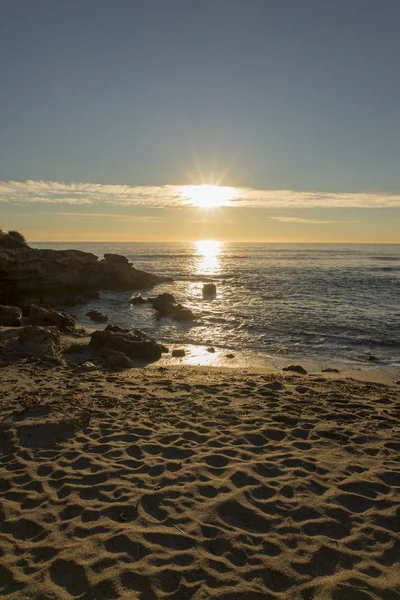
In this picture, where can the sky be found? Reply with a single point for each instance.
(109, 108)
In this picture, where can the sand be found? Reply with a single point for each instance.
(197, 483)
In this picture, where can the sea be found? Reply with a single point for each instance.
(335, 304)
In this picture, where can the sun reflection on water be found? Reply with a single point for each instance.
(208, 257)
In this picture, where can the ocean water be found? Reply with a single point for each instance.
(326, 302)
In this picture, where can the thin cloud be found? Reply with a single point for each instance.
(299, 220)
(135, 218)
(172, 196)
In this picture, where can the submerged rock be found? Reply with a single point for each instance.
(10, 316)
(48, 316)
(134, 344)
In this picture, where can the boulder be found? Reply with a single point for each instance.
(166, 305)
(96, 316)
(10, 316)
(211, 349)
(138, 300)
(209, 290)
(39, 341)
(118, 360)
(178, 353)
(134, 344)
(116, 258)
(48, 316)
(295, 369)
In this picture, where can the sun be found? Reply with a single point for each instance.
(208, 195)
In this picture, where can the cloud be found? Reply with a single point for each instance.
(135, 218)
(173, 196)
(299, 220)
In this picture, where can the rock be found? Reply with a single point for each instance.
(211, 349)
(230, 355)
(88, 366)
(178, 353)
(30, 272)
(116, 258)
(134, 344)
(97, 316)
(273, 385)
(330, 370)
(48, 316)
(209, 289)
(39, 341)
(118, 360)
(75, 349)
(138, 300)
(10, 316)
(295, 369)
(301, 389)
(166, 305)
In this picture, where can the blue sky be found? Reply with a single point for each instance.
(294, 95)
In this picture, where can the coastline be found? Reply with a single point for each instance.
(186, 482)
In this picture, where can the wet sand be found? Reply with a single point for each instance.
(185, 483)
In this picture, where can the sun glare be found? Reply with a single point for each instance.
(208, 196)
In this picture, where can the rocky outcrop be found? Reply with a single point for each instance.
(134, 344)
(10, 316)
(166, 306)
(29, 272)
(48, 316)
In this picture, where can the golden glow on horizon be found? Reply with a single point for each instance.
(208, 254)
(208, 196)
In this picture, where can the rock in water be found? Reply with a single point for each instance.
(96, 316)
(134, 344)
(209, 290)
(48, 316)
(138, 300)
(10, 316)
(30, 272)
(166, 305)
(116, 258)
(178, 353)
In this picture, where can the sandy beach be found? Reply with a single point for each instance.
(195, 483)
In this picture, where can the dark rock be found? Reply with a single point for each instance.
(178, 353)
(209, 290)
(10, 316)
(30, 272)
(116, 258)
(96, 316)
(230, 355)
(39, 341)
(118, 360)
(330, 370)
(75, 349)
(134, 344)
(295, 369)
(166, 305)
(211, 349)
(138, 300)
(43, 316)
(273, 385)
